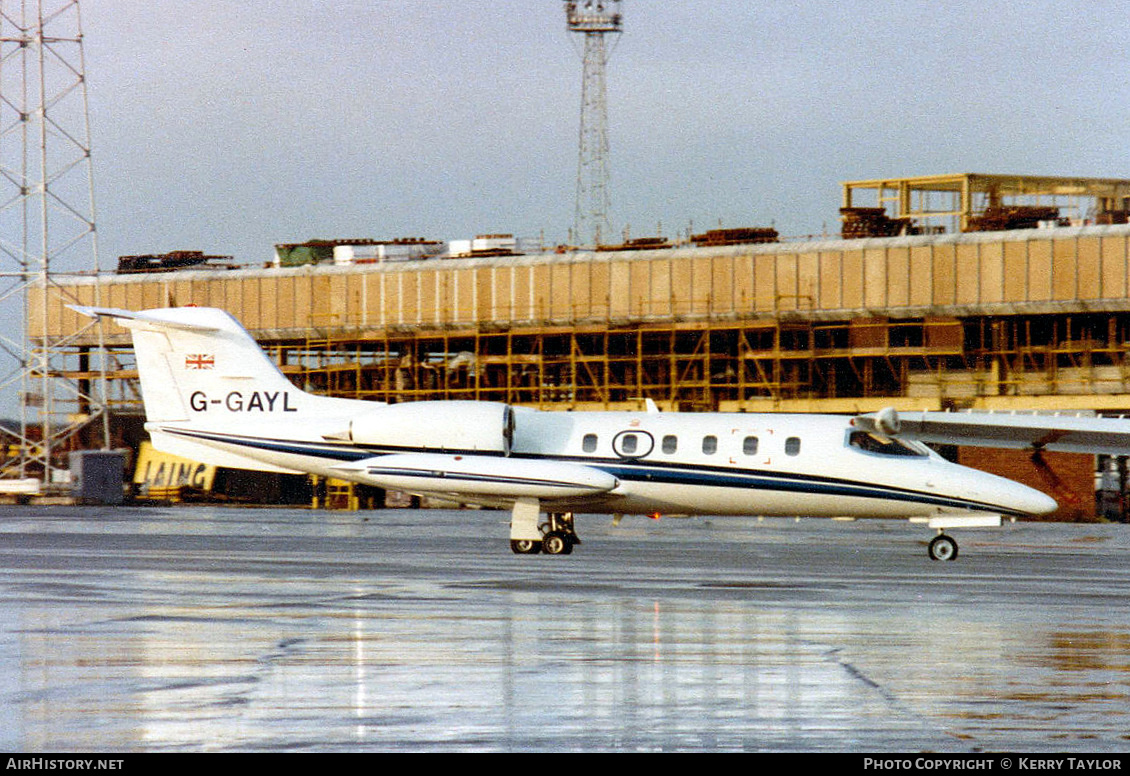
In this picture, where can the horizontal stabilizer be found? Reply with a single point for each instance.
(480, 475)
(157, 317)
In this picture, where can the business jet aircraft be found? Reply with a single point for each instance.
(212, 395)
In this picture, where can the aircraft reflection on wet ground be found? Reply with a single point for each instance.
(174, 629)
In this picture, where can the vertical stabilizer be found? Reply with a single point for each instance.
(199, 365)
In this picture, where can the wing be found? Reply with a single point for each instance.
(1069, 433)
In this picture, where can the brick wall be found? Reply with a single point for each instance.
(1069, 478)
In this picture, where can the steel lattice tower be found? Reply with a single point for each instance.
(595, 20)
(47, 229)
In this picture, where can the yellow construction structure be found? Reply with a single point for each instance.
(975, 201)
(1010, 319)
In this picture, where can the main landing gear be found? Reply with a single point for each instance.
(556, 536)
(943, 547)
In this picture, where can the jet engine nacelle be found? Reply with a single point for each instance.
(453, 426)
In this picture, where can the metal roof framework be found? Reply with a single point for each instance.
(960, 197)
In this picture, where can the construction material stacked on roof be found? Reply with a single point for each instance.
(483, 245)
(741, 236)
(175, 260)
(860, 222)
(1001, 218)
(1108, 217)
(638, 244)
(355, 251)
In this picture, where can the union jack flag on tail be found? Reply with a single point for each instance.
(199, 361)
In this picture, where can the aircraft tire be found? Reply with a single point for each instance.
(556, 544)
(525, 546)
(943, 547)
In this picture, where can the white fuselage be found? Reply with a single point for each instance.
(667, 463)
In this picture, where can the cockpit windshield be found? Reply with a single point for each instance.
(881, 445)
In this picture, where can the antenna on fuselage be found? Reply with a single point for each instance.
(649, 405)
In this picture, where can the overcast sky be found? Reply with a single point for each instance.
(228, 126)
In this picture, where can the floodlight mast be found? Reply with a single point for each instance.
(595, 20)
(46, 230)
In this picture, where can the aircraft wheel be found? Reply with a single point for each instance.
(556, 544)
(943, 547)
(525, 546)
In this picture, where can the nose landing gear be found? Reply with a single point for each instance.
(943, 547)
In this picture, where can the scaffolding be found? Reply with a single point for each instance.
(864, 364)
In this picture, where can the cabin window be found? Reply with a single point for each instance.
(588, 444)
(628, 444)
(670, 444)
(749, 445)
(710, 445)
(792, 446)
(881, 445)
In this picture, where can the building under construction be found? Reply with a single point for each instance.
(977, 315)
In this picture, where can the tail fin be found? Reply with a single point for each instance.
(198, 364)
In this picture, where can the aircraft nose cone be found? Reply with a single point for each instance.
(1041, 504)
(1009, 496)
(1029, 500)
